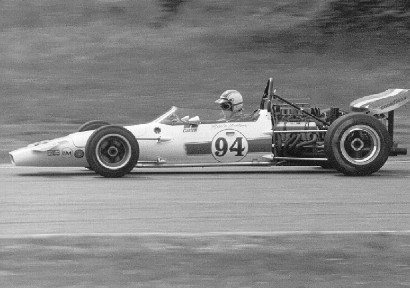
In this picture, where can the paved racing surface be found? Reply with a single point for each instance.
(203, 200)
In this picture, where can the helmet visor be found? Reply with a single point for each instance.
(226, 106)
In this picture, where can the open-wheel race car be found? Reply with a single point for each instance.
(278, 133)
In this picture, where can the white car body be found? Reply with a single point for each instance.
(163, 144)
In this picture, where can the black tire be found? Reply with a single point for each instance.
(92, 125)
(112, 151)
(357, 144)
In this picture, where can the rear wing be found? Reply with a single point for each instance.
(381, 103)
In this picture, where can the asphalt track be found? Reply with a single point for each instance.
(265, 200)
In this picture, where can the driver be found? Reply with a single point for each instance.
(231, 103)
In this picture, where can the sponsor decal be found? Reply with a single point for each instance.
(394, 102)
(66, 152)
(228, 125)
(190, 129)
(79, 154)
(53, 152)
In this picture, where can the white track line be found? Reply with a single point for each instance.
(206, 234)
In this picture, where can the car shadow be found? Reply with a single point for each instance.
(144, 172)
(57, 174)
(138, 172)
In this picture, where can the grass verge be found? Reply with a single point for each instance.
(304, 260)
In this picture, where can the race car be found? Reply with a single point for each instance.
(280, 132)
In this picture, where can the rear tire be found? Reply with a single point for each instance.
(92, 125)
(112, 151)
(357, 144)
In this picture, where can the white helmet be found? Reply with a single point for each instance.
(231, 100)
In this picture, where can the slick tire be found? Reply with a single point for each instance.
(92, 125)
(357, 144)
(112, 151)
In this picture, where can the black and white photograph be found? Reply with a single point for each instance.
(204, 143)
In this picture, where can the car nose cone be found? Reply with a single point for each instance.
(55, 153)
(24, 157)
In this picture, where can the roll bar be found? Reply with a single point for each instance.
(269, 94)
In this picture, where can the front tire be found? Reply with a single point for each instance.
(357, 144)
(112, 151)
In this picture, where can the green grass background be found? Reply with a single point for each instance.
(66, 62)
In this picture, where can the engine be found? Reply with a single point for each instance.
(297, 134)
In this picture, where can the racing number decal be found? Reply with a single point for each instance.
(229, 146)
(221, 147)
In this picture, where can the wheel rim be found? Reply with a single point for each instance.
(360, 144)
(113, 151)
